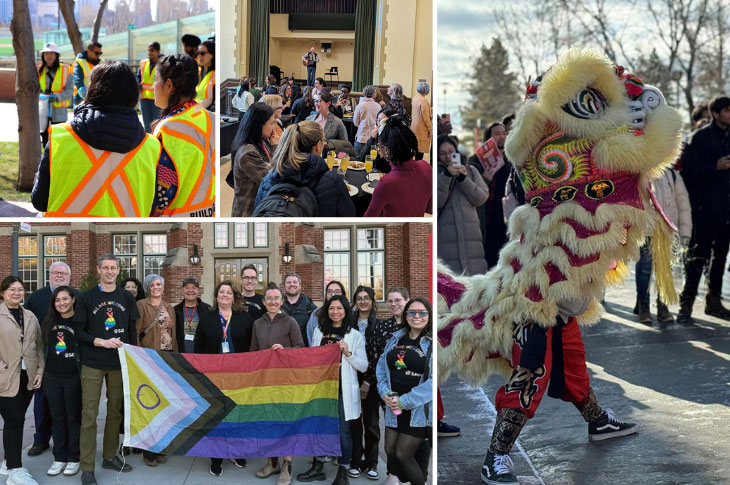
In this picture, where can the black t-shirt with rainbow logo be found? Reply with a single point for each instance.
(406, 362)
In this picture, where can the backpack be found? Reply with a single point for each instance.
(287, 200)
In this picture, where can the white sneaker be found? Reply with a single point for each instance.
(20, 476)
(56, 468)
(72, 468)
(4, 468)
(373, 474)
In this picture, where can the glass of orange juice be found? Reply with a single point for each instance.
(330, 160)
(373, 153)
(368, 164)
(344, 162)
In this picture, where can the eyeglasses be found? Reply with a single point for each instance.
(363, 299)
(56, 273)
(272, 298)
(108, 268)
(418, 313)
(334, 292)
(249, 278)
(397, 300)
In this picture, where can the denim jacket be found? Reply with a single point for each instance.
(419, 399)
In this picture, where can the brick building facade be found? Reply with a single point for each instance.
(379, 255)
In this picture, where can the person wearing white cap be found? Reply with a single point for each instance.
(56, 89)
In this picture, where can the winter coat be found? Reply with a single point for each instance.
(249, 168)
(333, 199)
(460, 237)
(31, 351)
(60, 115)
(148, 313)
(112, 128)
(421, 122)
(334, 128)
(673, 197)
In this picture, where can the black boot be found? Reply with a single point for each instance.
(713, 306)
(662, 313)
(315, 472)
(685, 310)
(644, 313)
(341, 478)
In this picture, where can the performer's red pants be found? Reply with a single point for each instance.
(525, 388)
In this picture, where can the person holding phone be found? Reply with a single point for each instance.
(461, 189)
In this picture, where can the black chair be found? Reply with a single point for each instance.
(331, 73)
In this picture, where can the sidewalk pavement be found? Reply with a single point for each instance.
(17, 209)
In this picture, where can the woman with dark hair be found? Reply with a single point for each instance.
(286, 98)
(298, 161)
(185, 181)
(20, 342)
(56, 90)
(333, 127)
(251, 157)
(134, 286)
(405, 383)
(406, 190)
(205, 90)
(244, 98)
(226, 328)
(102, 163)
(62, 381)
(303, 107)
(335, 328)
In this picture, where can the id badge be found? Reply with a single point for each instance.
(224, 347)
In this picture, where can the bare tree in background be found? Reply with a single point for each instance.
(74, 34)
(27, 90)
(97, 21)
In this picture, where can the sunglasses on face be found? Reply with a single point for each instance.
(418, 313)
(98, 53)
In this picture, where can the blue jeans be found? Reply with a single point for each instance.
(310, 75)
(359, 147)
(643, 274)
(150, 113)
(345, 436)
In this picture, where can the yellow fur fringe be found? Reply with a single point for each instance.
(661, 255)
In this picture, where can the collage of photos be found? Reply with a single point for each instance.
(363, 241)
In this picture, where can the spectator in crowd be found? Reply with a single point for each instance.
(335, 327)
(285, 95)
(21, 346)
(106, 123)
(304, 106)
(275, 102)
(190, 45)
(251, 157)
(421, 119)
(366, 120)
(298, 161)
(84, 64)
(244, 93)
(705, 164)
(253, 303)
(296, 90)
(318, 87)
(461, 189)
(276, 330)
(205, 91)
(296, 304)
(62, 380)
(188, 313)
(343, 105)
(187, 134)
(226, 328)
(111, 313)
(271, 86)
(56, 89)
(256, 92)
(134, 286)
(701, 116)
(379, 163)
(331, 289)
(406, 385)
(406, 190)
(379, 98)
(145, 80)
(332, 125)
(395, 92)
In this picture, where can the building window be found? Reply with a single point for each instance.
(154, 252)
(28, 261)
(260, 235)
(221, 234)
(371, 260)
(54, 249)
(337, 257)
(125, 249)
(240, 230)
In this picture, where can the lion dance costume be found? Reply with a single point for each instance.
(587, 142)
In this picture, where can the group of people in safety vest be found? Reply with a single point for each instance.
(104, 162)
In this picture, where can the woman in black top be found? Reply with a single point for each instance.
(303, 106)
(62, 381)
(134, 286)
(225, 329)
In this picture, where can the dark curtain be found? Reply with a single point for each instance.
(259, 46)
(365, 13)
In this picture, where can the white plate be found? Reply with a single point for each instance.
(367, 189)
(351, 167)
(353, 190)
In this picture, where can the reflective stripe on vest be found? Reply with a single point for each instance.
(58, 85)
(189, 140)
(148, 78)
(87, 67)
(208, 82)
(88, 182)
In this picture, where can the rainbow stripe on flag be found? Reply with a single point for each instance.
(256, 404)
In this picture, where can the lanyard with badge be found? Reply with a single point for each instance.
(224, 323)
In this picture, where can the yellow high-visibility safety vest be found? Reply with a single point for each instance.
(59, 83)
(87, 67)
(88, 182)
(208, 82)
(189, 140)
(148, 78)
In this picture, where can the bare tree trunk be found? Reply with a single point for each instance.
(27, 90)
(67, 10)
(97, 21)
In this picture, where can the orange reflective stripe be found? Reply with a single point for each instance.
(107, 183)
(183, 136)
(130, 192)
(115, 201)
(191, 207)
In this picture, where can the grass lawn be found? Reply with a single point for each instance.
(9, 172)
(6, 45)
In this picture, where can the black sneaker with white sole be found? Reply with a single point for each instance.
(609, 427)
(496, 470)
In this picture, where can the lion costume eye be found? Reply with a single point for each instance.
(589, 104)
